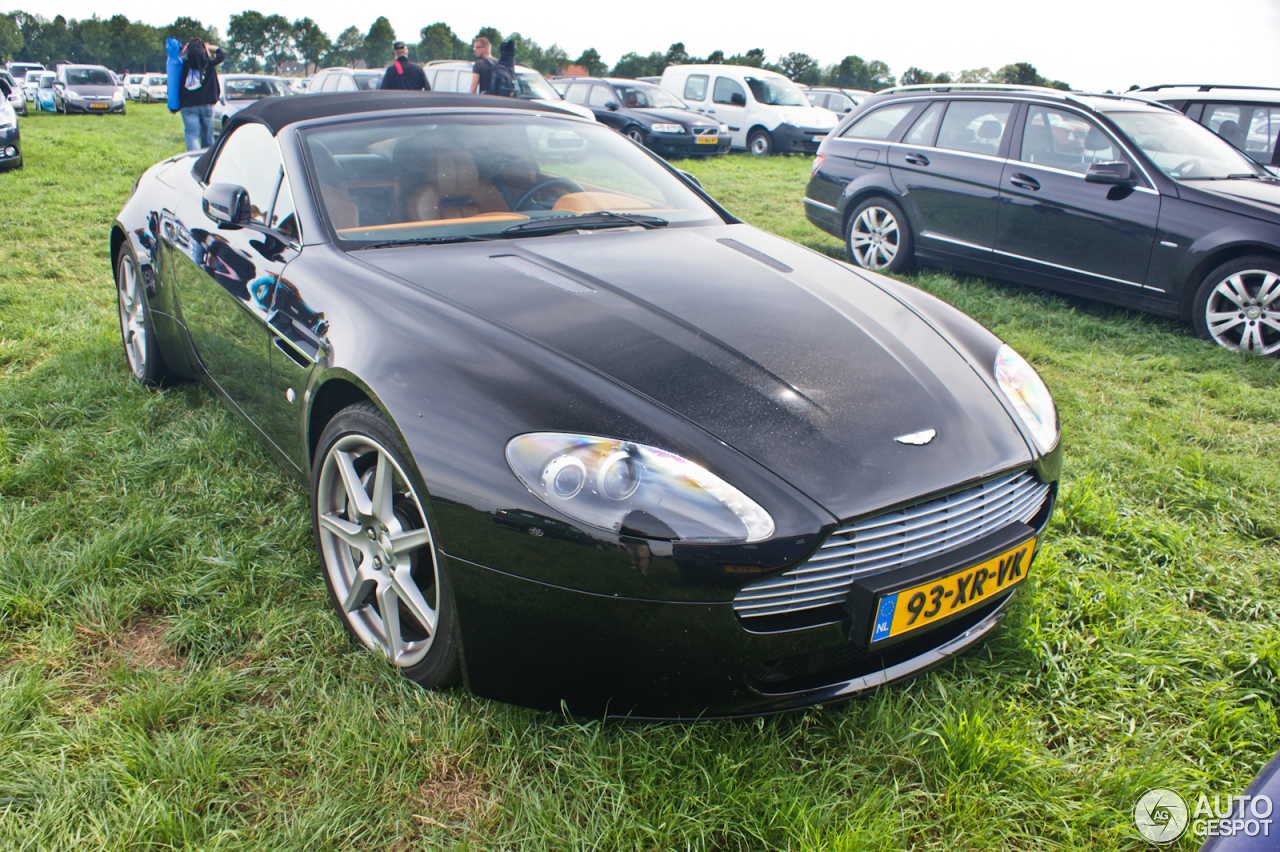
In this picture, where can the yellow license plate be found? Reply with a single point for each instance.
(98, 106)
(707, 140)
(931, 602)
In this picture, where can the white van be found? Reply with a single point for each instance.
(454, 75)
(766, 113)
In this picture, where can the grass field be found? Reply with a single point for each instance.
(171, 676)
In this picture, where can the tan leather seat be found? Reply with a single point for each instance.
(343, 212)
(453, 190)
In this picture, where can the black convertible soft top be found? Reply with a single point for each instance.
(278, 113)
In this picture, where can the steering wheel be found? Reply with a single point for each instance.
(529, 199)
(1186, 168)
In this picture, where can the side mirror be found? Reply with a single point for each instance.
(226, 204)
(612, 106)
(1118, 174)
(738, 99)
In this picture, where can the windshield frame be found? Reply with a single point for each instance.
(697, 202)
(1192, 130)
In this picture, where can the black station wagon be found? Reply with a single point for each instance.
(1105, 196)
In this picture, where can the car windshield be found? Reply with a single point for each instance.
(648, 97)
(135, 80)
(157, 80)
(89, 77)
(253, 90)
(776, 91)
(32, 77)
(459, 177)
(532, 86)
(46, 81)
(1182, 148)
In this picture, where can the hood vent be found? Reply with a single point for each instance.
(542, 273)
(756, 255)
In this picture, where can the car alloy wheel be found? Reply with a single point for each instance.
(377, 551)
(636, 135)
(760, 143)
(1238, 306)
(137, 332)
(879, 236)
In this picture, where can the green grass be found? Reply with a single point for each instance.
(171, 677)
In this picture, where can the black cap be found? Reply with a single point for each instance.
(398, 46)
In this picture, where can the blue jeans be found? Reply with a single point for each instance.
(197, 123)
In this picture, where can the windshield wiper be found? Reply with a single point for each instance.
(426, 241)
(600, 219)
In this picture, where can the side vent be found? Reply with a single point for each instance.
(542, 273)
(756, 255)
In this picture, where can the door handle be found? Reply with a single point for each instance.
(917, 159)
(1024, 182)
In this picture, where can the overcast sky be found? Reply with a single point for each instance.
(1091, 45)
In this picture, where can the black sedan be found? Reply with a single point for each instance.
(1109, 197)
(649, 115)
(572, 432)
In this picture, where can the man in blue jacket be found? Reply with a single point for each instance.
(199, 92)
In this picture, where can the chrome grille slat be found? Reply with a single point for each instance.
(894, 538)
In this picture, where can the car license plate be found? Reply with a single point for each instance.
(97, 106)
(707, 140)
(931, 602)
(819, 138)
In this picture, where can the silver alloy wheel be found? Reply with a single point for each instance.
(133, 318)
(1243, 312)
(377, 548)
(636, 135)
(760, 145)
(874, 238)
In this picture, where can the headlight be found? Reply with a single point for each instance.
(1023, 387)
(117, 97)
(667, 128)
(724, 128)
(626, 487)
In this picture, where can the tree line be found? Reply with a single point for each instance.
(262, 43)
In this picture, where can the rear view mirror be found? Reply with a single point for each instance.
(1118, 174)
(226, 204)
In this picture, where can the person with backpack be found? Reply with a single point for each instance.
(403, 74)
(490, 76)
(199, 92)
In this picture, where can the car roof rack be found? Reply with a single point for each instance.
(1199, 87)
(1060, 94)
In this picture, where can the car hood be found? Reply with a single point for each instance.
(813, 372)
(681, 116)
(93, 90)
(1258, 194)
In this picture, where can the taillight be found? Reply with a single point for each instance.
(817, 162)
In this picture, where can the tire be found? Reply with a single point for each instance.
(760, 143)
(137, 330)
(372, 555)
(878, 237)
(636, 135)
(1237, 306)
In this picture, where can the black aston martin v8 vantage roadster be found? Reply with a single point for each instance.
(573, 433)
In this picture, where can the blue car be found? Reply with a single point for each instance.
(44, 93)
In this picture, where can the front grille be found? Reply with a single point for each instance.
(900, 537)
(706, 131)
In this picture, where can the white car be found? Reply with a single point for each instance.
(132, 84)
(31, 83)
(766, 113)
(453, 75)
(299, 85)
(154, 87)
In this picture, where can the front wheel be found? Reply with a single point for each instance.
(636, 135)
(137, 330)
(760, 143)
(879, 236)
(377, 551)
(1238, 305)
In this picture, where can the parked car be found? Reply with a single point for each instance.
(240, 90)
(30, 83)
(760, 525)
(300, 84)
(1246, 116)
(86, 89)
(765, 112)
(451, 75)
(1105, 196)
(154, 88)
(133, 86)
(10, 136)
(650, 116)
(13, 93)
(346, 80)
(839, 101)
(44, 92)
(19, 70)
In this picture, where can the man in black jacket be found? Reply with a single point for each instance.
(403, 74)
(199, 92)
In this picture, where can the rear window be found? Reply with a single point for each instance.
(879, 123)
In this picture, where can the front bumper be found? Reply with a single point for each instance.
(92, 108)
(686, 145)
(10, 140)
(787, 138)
